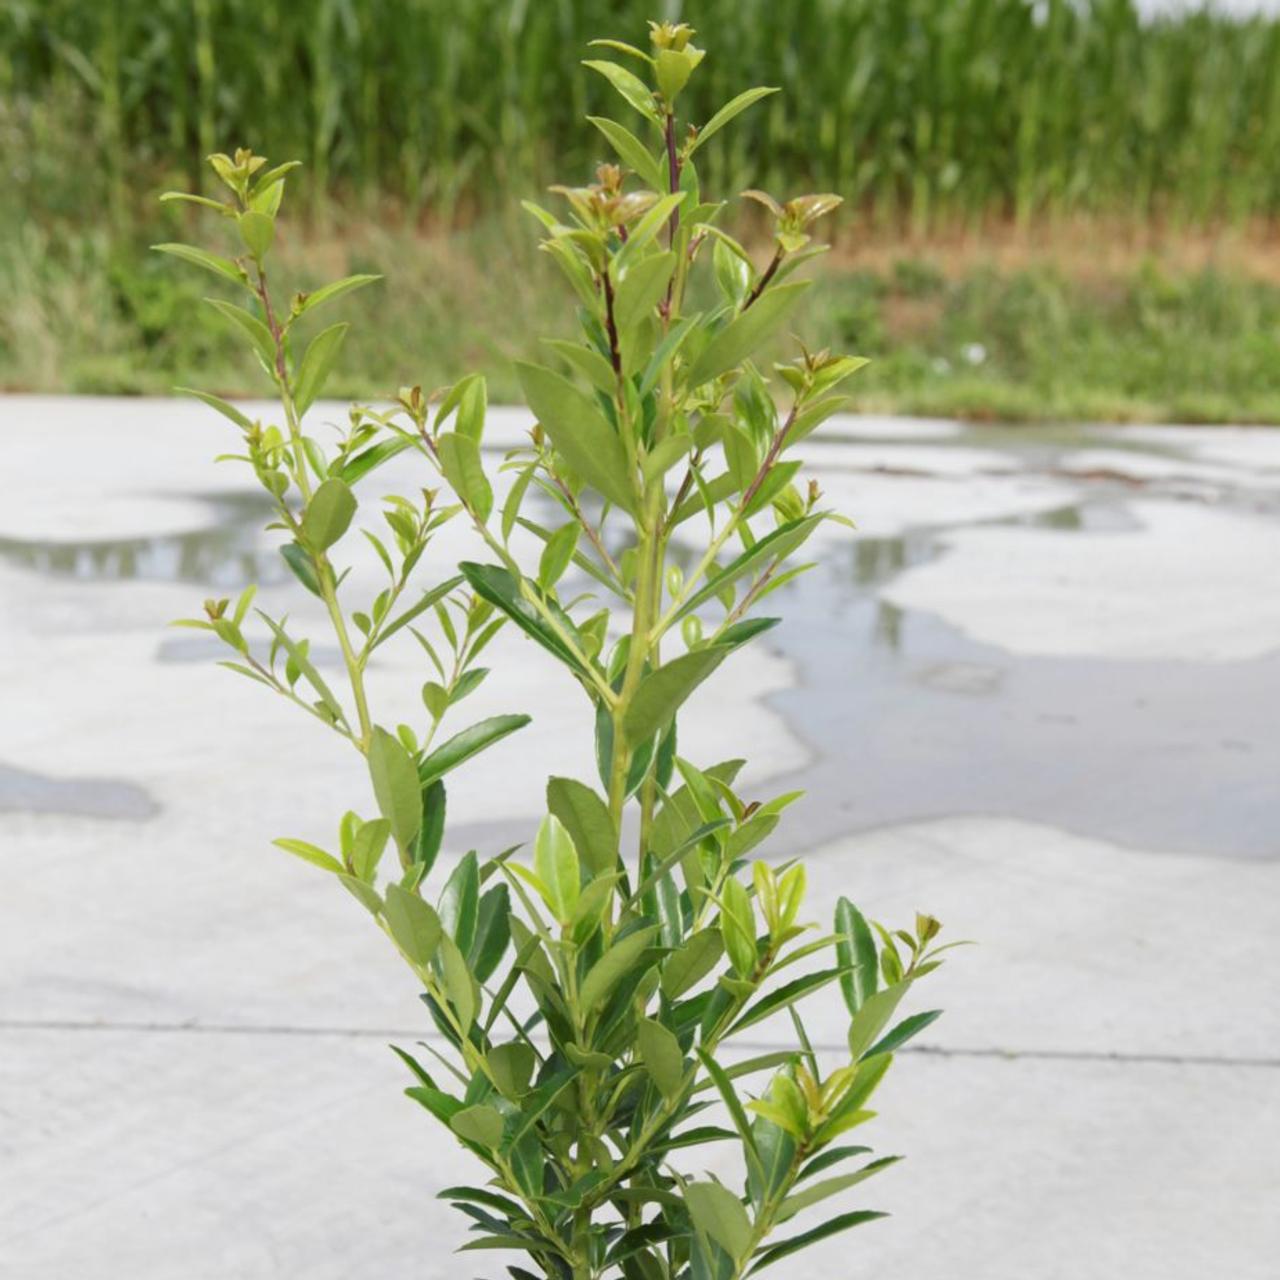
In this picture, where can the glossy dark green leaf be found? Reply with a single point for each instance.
(784, 1248)
(469, 742)
(784, 997)
(499, 588)
(819, 1191)
(906, 1030)
(857, 953)
(299, 562)
(493, 932)
(431, 833)
(459, 904)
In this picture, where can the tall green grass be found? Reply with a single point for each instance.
(919, 111)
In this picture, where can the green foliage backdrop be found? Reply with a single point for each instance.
(911, 108)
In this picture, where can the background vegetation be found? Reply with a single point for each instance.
(953, 130)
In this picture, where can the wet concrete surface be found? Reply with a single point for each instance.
(192, 1024)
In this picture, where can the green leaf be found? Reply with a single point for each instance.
(309, 853)
(431, 834)
(494, 584)
(493, 932)
(906, 1030)
(222, 406)
(726, 113)
(662, 692)
(258, 334)
(856, 952)
(460, 462)
(687, 967)
(774, 546)
(557, 554)
(396, 786)
(633, 90)
(299, 655)
(872, 1018)
(642, 288)
(588, 821)
(462, 746)
(299, 562)
(257, 230)
(660, 1053)
(367, 848)
(655, 218)
(555, 862)
(329, 514)
(718, 1213)
(512, 1065)
(784, 997)
(588, 362)
(459, 903)
(328, 292)
(317, 364)
(819, 1191)
(746, 331)
(209, 261)
(481, 1124)
(579, 432)
(614, 965)
(418, 608)
(458, 982)
(413, 924)
(784, 1248)
(734, 1106)
(632, 152)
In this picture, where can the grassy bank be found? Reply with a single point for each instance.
(994, 329)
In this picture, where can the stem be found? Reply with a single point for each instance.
(325, 577)
(763, 283)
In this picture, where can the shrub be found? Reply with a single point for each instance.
(589, 995)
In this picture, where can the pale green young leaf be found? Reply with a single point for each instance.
(718, 1213)
(480, 1124)
(460, 462)
(317, 364)
(328, 292)
(588, 821)
(413, 924)
(329, 514)
(633, 90)
(257, 230)
(660, 1053)
(222, 406)
(258, 334)
(458, 984)
(642, 288)
(395, 786)
(632, 152)
(309, 853)
(555, 861)
(224, 267)
(726, 113)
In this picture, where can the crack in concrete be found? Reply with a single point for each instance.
(1117, 1057)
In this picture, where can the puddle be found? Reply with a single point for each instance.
(24, 792)
(906, 717)
(222, 554)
